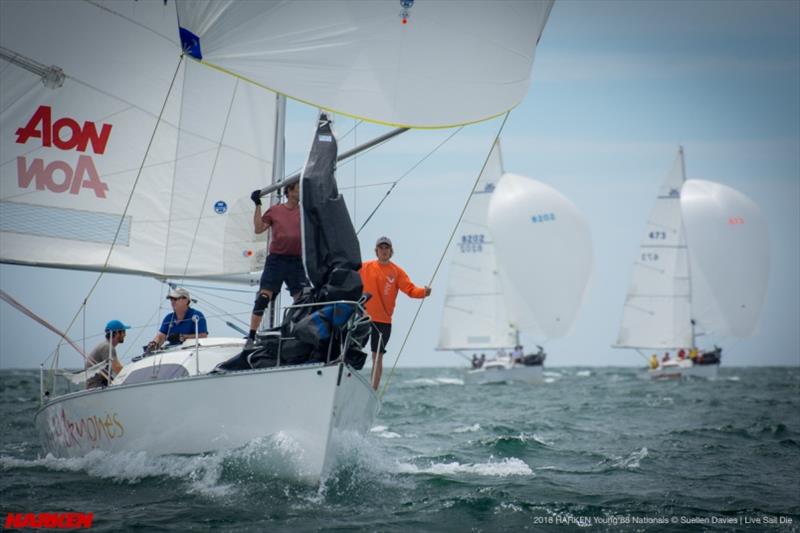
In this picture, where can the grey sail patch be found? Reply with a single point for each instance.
(63, 223)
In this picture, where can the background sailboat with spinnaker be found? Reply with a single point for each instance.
(520, 263)
(702, 269)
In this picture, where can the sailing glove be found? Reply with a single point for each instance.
(256, 197)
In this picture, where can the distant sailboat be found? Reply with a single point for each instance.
(132, 136)
(520, 264)
(703, 265)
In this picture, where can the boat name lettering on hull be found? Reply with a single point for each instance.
(90, 429)
(64, 134)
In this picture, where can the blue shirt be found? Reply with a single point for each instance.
(172, 325)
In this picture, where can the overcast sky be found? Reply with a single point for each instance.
(617, 86)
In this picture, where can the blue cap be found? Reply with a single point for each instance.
(116, 325)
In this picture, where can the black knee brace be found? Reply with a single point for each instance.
(262, 301)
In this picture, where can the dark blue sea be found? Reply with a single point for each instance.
(589, 449)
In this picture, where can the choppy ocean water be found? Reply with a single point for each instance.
(589, 449)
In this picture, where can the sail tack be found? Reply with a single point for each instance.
(545, 252)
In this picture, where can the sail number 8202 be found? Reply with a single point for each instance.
(472, 243)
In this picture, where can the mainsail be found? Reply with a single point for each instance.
(474, 315)
(657, 313)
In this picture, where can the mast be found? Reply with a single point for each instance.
(688, 262)
(278, 164)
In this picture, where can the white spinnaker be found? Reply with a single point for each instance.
(452, 63)
(729, 252)
(474, 315)
(214, 144)
(212, 147)
(657, 312)
(544, 252)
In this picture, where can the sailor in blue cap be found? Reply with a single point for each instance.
(115, 334)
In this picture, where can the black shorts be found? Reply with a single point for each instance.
(382, 331)
(280, 269)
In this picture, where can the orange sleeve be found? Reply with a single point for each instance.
(404, 284)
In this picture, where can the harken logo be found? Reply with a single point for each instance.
(49, 520)
(64, 134)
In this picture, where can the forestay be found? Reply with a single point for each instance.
(729, 251)
(474, 315)
(657, 312)
(544, 251)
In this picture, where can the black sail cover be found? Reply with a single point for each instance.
(329, 238)
(332, 258)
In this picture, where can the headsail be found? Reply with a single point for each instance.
(657, 311)
(544, 250)
(359, 58)
(729, 252)
(474, 315)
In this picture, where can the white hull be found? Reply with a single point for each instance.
(206, 413)
(498, 372)
(684, 369)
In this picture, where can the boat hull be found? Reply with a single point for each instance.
(499, 374)
(684, 370)
(209, 413)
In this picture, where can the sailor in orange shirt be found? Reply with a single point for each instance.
(383, 279)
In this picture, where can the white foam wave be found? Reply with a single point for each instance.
(550, 373)
(278, 455)
(549, 380)
(432, 382)
(631, 461)
(507, 467)
(202, 471)
(468, 429)
(583, 373)
(733, 378)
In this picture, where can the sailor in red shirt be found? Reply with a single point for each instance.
(284, 263)
(383, 279)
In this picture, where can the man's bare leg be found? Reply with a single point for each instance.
(377, 369)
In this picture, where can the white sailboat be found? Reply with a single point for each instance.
(520, 264)
(702, 268)
(132, 135)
